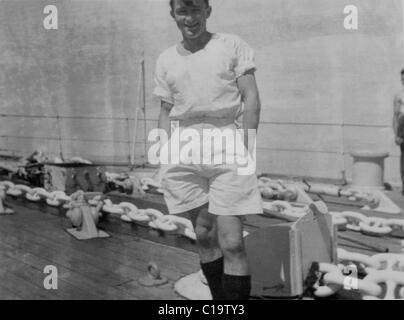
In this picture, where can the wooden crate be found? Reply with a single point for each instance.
(280, 256)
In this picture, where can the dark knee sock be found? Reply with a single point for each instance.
(236, 287)
(213, 272)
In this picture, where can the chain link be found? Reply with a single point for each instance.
(285, 210)
(372, 226)
(384, 278)
(271, 189)
(127, 211)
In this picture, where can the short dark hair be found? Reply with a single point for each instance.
(172, 4)
(402, 71)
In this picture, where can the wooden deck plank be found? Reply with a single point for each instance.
(23, 288)
(135, 273)
(131, 286)
(165, 292)
(68, 275)
(48, 212)
(65, 255)
(185, 260)
(122, 234)
(135, 255)
(362, 243)
(6, 294)
(132, 291)
(36, 276)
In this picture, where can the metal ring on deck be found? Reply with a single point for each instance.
(153, 277)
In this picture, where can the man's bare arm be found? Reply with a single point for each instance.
(396, 115)
(164, 117)
(252, 104)
(397, 105)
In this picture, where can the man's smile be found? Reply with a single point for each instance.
(192, 27)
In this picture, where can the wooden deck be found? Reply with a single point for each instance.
(35, 237)
(96, 269)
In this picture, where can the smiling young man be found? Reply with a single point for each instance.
(206, 82)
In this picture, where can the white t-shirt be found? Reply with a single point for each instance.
(203, 84)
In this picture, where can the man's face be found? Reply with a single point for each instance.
(191, 16)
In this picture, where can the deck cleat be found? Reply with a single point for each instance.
(84, 218)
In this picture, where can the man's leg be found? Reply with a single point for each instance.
(210, 254)
(236, 278)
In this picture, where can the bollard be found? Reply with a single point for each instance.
(368, 169)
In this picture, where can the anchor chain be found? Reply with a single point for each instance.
(384, 279)
(372, 226)
(127, 211)
(280, 190)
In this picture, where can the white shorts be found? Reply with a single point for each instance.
(189, 186)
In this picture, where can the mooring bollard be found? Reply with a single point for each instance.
(368, 169)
